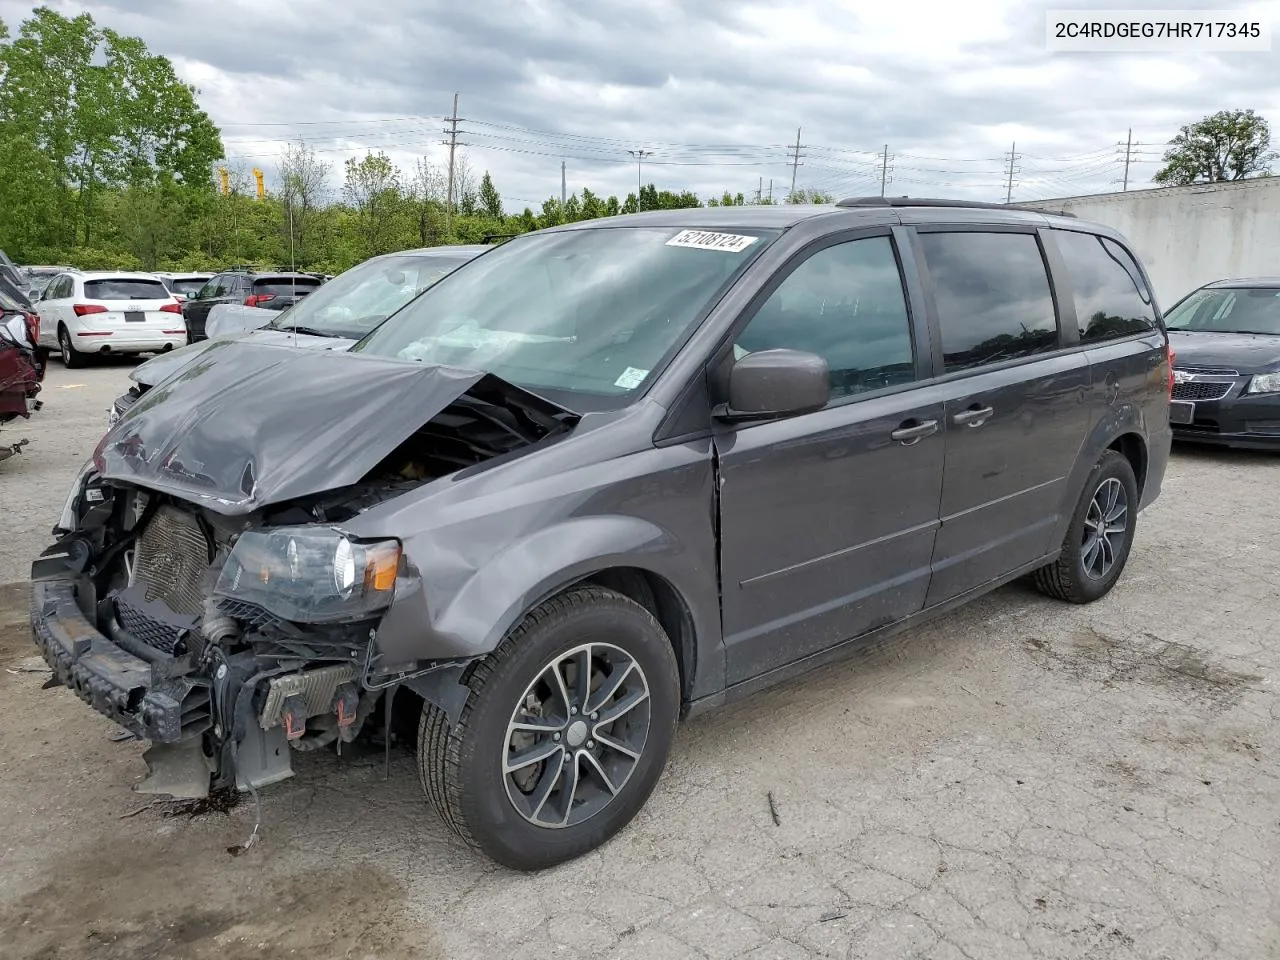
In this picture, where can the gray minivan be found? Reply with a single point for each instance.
(606, 475)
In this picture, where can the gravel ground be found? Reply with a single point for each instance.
(1020, 779)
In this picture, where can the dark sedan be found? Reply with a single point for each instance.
(1226, 337)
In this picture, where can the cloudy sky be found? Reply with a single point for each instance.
(714, 89)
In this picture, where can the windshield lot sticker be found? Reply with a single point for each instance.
(703, 240)
(631, 378)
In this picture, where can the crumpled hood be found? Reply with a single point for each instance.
(248, 423)
(164, 365)
(1245, 352)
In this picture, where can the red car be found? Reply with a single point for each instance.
(21, 367)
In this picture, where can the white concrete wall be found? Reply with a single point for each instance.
(1188, 236)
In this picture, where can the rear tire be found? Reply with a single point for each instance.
(586, 784)
(70, 358)
(1097, 544)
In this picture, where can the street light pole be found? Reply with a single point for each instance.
(639, 155)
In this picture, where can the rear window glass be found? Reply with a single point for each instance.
(124, 289)
(188, 288)
(285, 286)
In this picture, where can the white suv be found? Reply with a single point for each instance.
(108, 312)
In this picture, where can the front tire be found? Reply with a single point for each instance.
(1098, 541)
(564, 735)
(70, 359)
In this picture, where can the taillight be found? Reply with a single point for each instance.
(171, 308)
(84, 309)
(1172, 356)
(33, 328)
(256, 299)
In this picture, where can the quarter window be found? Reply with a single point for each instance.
(845, 303)
(993, 297)
(1110, 302)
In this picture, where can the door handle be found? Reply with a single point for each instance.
(914, 433)
(973, 418)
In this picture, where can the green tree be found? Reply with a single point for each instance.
(160, 127)
(1229, 145)
(304, 181)
(46, 99)
(592, 206)
(93, 111)
(372, 188)
(426, 200)
(489, 198)
(810, 195)
(149, 216)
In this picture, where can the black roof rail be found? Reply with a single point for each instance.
(926, 202)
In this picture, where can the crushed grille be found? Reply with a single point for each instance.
(172, 562)
(152, 632)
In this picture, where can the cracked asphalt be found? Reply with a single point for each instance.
(1022, 779)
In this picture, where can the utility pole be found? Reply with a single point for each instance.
(795, 162)
(1013, 155)
(564, 198)
(1128, 150)
(884, 169)
(759, 191)
(453, 146)
(639, 155)
(771, 189)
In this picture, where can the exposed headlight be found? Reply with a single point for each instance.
(1264, 383)
(69, 518)
(311, 574)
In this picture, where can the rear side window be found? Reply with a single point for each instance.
(125, 289)
(993, 297)
(1110, 299)
(284, 286)
(846, 304)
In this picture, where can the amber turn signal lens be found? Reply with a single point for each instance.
(382, 563)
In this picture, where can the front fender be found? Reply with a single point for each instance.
(473, 618)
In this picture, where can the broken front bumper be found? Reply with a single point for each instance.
(134, 693)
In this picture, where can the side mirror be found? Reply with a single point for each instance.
(776, 383)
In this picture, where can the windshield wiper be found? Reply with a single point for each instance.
(305, 331)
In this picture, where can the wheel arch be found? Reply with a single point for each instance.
(1123, 430)
(651, 590)
(1134, 449)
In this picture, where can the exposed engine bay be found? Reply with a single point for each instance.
(230, 641)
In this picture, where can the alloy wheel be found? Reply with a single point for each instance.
(576, 735)
(1106, 524)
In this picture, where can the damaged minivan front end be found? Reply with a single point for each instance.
(206, 590)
